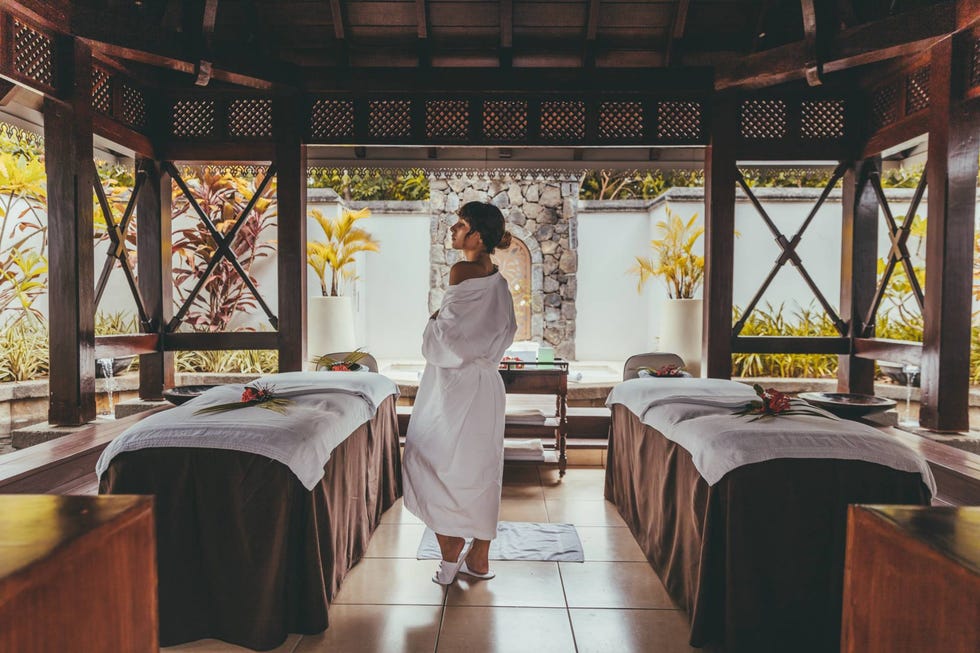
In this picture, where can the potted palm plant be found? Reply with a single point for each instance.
(675, 261)
(331, 315)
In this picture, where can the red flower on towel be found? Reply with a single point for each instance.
(263, 396)
(664, 371)
(774, 403)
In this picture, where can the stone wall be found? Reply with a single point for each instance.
(541, 212)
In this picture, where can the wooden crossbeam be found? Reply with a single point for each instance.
(904, 34)
(223, 243)
(677, 27)
(422, 31)
(788, 253)
(506, 33)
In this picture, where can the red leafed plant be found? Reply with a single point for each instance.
(350, 362)
(222, 197)
(263, 396)
(774, 403)
(664, 371)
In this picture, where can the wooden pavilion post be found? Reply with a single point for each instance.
(954, 130)
(153, 242)
(290, 155)
(719, 239)
(68, 148)
(858, 273)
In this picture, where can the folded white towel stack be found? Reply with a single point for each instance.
(523, 449)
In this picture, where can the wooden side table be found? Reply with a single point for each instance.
(911, 580)
(541, 379)
(77, 573)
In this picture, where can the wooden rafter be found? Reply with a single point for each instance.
(900, 35)
(845, 14)
(812, 67)
(506, 33)
(591, 33)
(203, 68)
(422, 31)
(677, 27)
(339, 18)
(760, 25)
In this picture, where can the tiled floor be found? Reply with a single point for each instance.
(611, 602)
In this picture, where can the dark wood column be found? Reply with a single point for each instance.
(858, 270)
(291, 193)
(719, 239)
(153, 243)
(71, 251)
(954, 129)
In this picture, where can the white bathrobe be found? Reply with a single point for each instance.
(454, 450)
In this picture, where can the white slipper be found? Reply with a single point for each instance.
(446, 573)
(469, 572)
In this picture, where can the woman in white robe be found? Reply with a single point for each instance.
(454, 449)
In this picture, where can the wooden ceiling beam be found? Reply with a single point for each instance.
(506, 33)
(813, 69)
(591, 33)
(204, 64)
(339, 17)
(891, 37)
(7, 91)
(422, 18)
(678, 25)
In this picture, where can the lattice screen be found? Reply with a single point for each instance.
(447, 118)
(390, 118)
(763, 119)
(822, 119)
(678, 120)
(33, 54)
(620, 120)
(563, 120)
(101, 91)
(504, 120)
(884, 106)
(975, 63)
(250, 118)
(193, 118)
(332, 119)
(917, 91)
(133, 106)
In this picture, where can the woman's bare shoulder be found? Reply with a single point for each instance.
(464, 270)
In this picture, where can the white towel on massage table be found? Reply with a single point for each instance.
(325, 408)
(719, 441)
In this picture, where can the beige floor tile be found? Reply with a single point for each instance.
(523, 510)
(397, 514)
(391, 581)
(579, 483)
(505, 630)
(606, 544)
(377, 629)
(518, 584)
(395, 541)
(587, 457)
(662, 631)
(217, 646)
(528, 491)
(613, 585)
(584, 512)
(521, 475)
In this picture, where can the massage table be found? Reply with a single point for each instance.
(755, 553)
(249, 548)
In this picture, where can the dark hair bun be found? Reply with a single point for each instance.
(488, 221)
(505, 241)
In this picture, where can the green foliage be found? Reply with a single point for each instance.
(116, 323)
(247, 361)
(372, 185)
(24, 349)
(772, 321)
(630, 184)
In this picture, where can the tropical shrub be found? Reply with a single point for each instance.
(336, 254)
(372, 185)
(674, 259)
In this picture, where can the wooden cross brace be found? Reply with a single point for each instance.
(788, 252)
(899, 252)
(117, 249)
(223, 246)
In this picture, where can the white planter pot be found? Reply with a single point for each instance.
(680, 331)
(330, 325)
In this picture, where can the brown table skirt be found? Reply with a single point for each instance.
(756, 560)
(245, 553)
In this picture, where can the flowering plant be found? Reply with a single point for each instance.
(774, 403)
(348, 364)
(263, 396)
(518, 364)
(666, 370)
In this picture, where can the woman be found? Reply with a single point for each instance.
(454, 449)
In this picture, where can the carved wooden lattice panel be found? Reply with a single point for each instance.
(250, 118)
(133, 106)
(822, 119)
(975, 63)
(101, 91)
(563, 120)
(515, 266)
(447, 118)
(332, 119)
(504, 120)
(679, 120)
(620, 120)
(884, 106)
(917, 91)
(33, 54)
(390, 118)
(193, 118)
(763, 119)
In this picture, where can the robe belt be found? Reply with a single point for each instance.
(485, 363)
